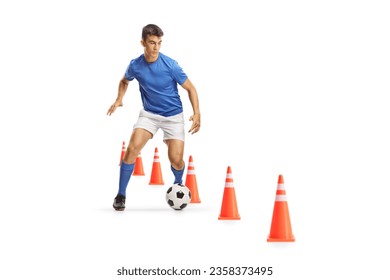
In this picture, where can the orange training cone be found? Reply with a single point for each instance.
(156, 176)
(281, 225)
(123, 153)
(191, 182)
(138, 167)
(229, 209)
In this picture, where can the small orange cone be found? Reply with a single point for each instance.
(138, 167)
(281, 225)
(191, 181)
(229, 209)
(123, 153)
(156, 176)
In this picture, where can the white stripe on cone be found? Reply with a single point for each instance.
(281, 197)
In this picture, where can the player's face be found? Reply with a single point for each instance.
(152, 46)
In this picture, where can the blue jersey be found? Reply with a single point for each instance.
(158, 84)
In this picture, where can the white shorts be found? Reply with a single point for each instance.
(173, 127)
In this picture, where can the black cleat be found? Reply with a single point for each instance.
(119, 202)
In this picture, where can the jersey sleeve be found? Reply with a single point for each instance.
(129, 74)
(178, 74)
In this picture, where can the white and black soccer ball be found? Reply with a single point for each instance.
(178, 196)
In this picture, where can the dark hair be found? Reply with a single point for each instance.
(151, 29)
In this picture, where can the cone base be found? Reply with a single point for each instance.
(138, 174)
(229, 218)
(156, 184)
(194, 196)
(291, 239)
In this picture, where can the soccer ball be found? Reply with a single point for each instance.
(178, 196)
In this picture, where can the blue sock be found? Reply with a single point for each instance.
(178, 175)
(124, 177)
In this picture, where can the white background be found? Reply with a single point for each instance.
(296, 88)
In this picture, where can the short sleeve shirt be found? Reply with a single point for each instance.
(158, 84)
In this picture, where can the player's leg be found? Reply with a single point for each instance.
(175, 155)
(138, 139)
(173, 128)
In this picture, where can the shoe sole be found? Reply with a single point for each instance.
(119, 209)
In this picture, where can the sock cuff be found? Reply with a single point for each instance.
(173, 169)
(126, 166)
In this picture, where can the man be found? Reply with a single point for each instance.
(158, 76)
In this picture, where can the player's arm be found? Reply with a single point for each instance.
(121, 92)
(193, 96)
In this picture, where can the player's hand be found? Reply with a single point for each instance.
(195, 123)
(114, 106)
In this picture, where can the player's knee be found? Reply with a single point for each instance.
(133, 149)
(177, 163)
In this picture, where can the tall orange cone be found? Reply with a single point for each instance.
(122, 153)
(281, 225)
(138, 167)
(191, 181)
(156, 176)
(229, 209)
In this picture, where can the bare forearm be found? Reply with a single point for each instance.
(195, 118)
(193, 96)
(122, 90)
